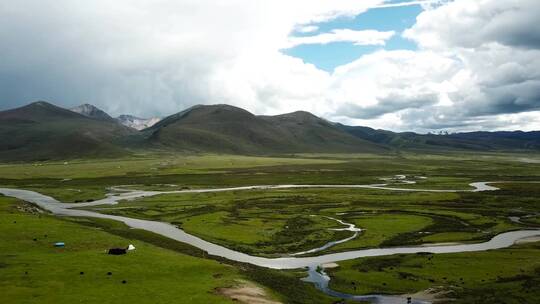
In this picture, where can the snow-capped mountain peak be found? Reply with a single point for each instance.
(137, 122)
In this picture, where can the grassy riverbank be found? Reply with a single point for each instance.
(268, 223)
(158, 271)
(509, 275)
(34, 271)
(83, 180)
(282, 221)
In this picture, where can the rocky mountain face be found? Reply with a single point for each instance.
(91, 111)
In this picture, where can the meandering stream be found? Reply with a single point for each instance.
(321, 280)
(290, 262)
(350, 227)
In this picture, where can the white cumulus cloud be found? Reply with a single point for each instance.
(477, 65)
(363, 37)
(157, 57)
(478, 62)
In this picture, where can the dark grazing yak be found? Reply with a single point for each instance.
(120, 251)
(117, 251)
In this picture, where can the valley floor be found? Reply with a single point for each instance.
(272, 223)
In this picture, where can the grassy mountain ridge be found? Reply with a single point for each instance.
(217, 128)
(319, 135)
(476, 141)
(91, 111)
(228, 129)
(41, 131)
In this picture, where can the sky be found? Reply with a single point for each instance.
(407, 65)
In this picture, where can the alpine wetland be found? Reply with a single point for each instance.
(269, 152)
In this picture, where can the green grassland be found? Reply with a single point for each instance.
(285, 221)
(509, 275)
(84, 180)
(32, 270)
(383, 227)
(260, 223)
(152, 164)
(268, 223)
(88, 179)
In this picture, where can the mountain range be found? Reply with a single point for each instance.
(42, 131)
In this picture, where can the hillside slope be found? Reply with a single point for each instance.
(91, 111)
(474, 141)
(228, 129)
(41, 131)
(314, 134)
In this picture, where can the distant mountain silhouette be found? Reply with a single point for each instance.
(42, 131)
(475, 141)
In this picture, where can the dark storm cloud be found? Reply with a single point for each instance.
(388, 104)
(513, 97)
(73, 52)
(512, 23)
(495, 69)
(471, 24)
(149, 58)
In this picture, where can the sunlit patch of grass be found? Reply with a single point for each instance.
(34, 271)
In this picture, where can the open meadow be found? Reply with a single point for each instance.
(272, 223)
(270, 152)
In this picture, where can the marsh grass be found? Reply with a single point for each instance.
(270, 223)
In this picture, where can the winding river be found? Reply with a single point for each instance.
(289, 262)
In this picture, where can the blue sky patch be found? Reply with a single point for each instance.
(327, 57)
